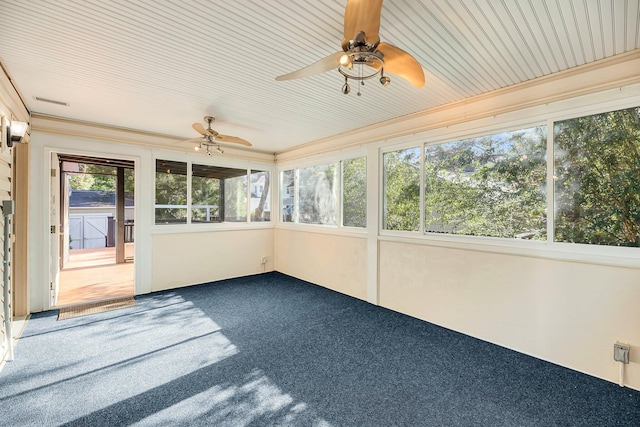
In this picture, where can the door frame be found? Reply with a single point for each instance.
(47, 250)
(55, 223)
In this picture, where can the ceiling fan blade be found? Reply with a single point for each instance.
(234, 139)
(362, 15)
(200, 129)
(326, 64)
(400, 63)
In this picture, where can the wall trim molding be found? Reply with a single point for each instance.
(89, 130)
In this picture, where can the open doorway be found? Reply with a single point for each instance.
(94, 242)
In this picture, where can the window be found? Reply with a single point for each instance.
(401, 190)
(235, 196)
(171, 192)
(287, 195)
(205, 194)
(217, 194)
(597, 179)
(260, 200)
(310, 195)
(316, 195)
(488, 186)
(354, 192)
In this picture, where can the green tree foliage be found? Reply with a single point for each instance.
(171, 189)
(205, 199)
(235, 199)
(103, 178)
(488, 186)
(597, 179)
(402, 190)
(354, 192)
(82, 181)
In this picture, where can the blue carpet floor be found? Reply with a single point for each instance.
(270, 350)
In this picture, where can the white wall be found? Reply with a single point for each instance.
(336, 262)
(190, 258)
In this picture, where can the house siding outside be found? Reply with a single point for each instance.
(11, 108)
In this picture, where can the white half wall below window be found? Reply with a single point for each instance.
(334, 261)
(569, 313)
(183, 259)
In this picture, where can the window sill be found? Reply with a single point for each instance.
(323, 229)
(210, 227)
(570, 252)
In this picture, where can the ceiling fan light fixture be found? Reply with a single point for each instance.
(346, 88)
(363, 64)
(384, 80)
(345, 61)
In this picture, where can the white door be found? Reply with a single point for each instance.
(54, 225)
(76, 233)
(96, 228)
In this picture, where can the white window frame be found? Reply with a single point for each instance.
(190, 227)
(548, 249)
(402, 233)
(335, 158)
(341, 195)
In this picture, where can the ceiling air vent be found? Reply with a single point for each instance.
(51, 101)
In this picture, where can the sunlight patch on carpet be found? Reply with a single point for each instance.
(95, 307)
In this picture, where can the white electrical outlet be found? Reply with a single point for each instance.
(621, 352)
(264, 260)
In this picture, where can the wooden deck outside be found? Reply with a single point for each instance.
(92, 274)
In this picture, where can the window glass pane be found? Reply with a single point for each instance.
(260, 200)
(488, 186)
(235, 198)
(287, 195)
(316, 195)
(402, 190)
(171, 192)
(205, 194)
(354, 192)
(597, 179)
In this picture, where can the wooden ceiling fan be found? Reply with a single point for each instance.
(212, 139)
(363, 56)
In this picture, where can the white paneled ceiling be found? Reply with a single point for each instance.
(159, 66)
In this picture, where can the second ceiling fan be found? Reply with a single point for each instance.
(363, 56)
(211, 138)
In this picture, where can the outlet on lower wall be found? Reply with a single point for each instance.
(621, 352)
(264, 260)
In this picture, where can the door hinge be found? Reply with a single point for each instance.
(53, 229)
(53, 173)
